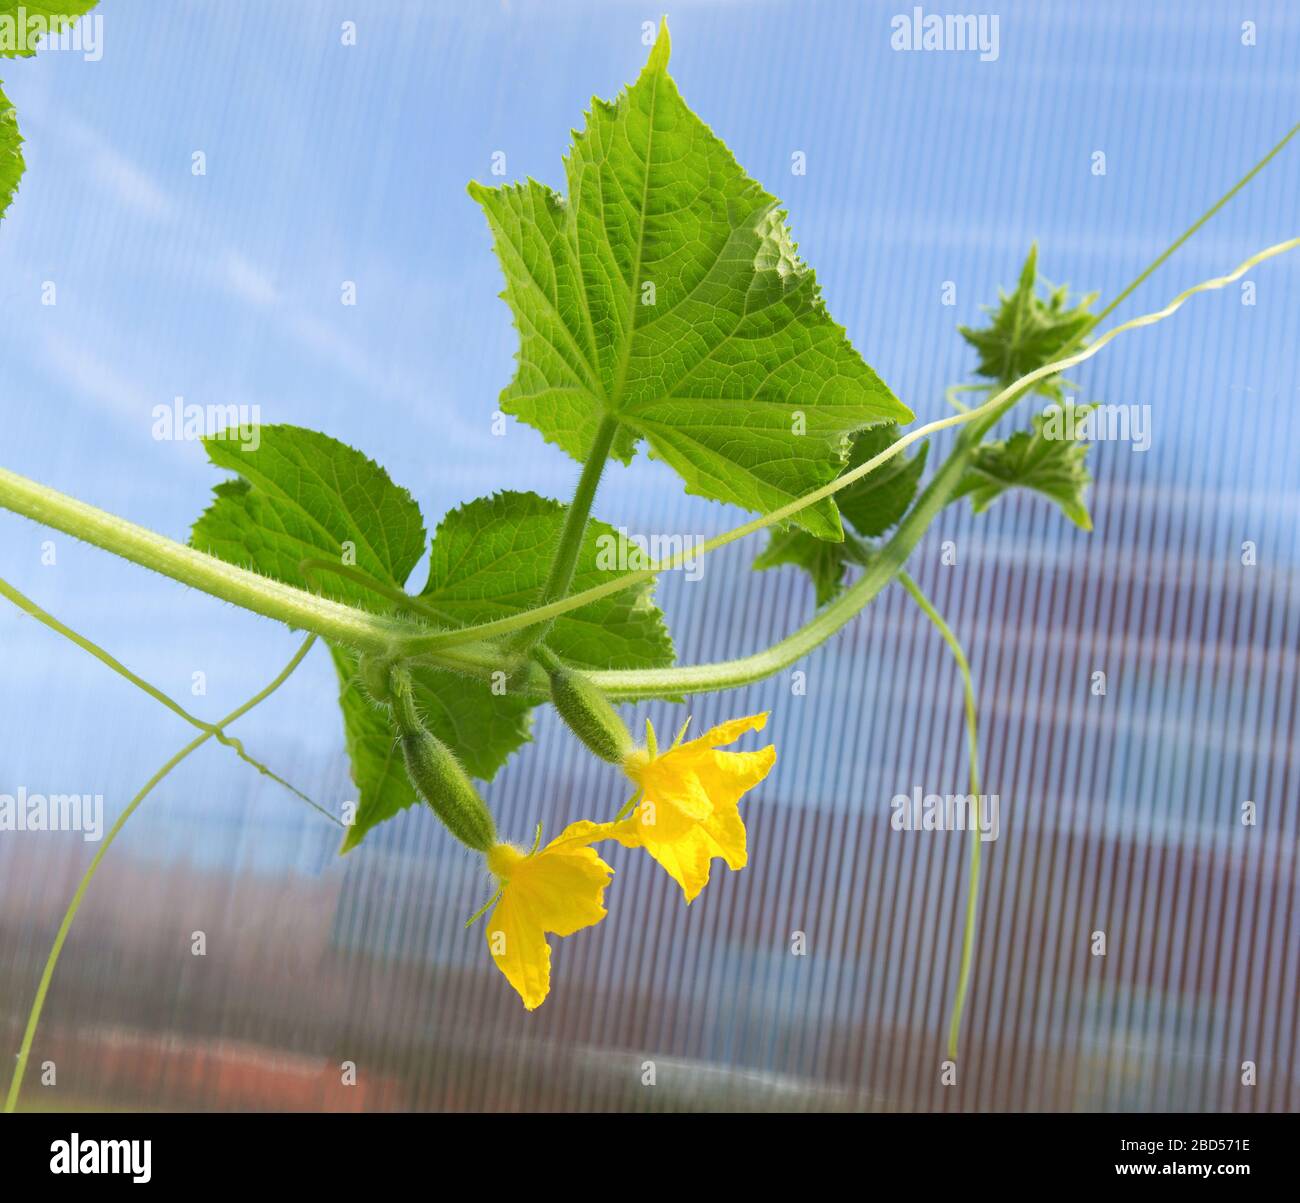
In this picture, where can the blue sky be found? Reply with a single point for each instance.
(328, 163)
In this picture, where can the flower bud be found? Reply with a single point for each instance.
(587, 712)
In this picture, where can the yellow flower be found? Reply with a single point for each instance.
(689, 810)
(559, 889)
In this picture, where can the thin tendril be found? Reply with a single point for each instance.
(419, 644)
(30, 608)
(42, 989)
(1196, 225)
(972, 753)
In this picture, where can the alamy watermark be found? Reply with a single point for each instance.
(920, 30)
(179, 422)
(1099, 423)
(624, 552)
(25, 31)
(53, 812)
(919, 811)
(84, 1155)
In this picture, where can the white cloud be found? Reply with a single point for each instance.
(95, 379)
(117, 175)
(323, 340)
(247, 281)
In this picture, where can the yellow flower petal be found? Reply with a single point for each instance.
(728, 732)
(690, 813)
(724, 777)
(726, 829)
(519, 948)
(559, 889)
(685, 856)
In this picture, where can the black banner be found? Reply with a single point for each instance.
(165, 1151)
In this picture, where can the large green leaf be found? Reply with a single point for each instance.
(303, 496)
(1046, 459)
(665, 291)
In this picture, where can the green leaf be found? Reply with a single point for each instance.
(303, 495)
(22, 21)
(15, 42)
(11, 154)
(1047, 459)
(877, 501)
(1028, 331)
(665, 291)
(490, 560)
(872, 505)
(823, 560)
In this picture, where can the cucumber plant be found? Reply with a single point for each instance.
(659, 302)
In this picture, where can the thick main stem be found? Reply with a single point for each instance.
(263, 595)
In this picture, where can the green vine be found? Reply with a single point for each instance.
(650, 311)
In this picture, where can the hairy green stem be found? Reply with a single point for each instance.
(262, 595)
(43, 987)
(972, 755)
(565, 561)
(372, 633)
